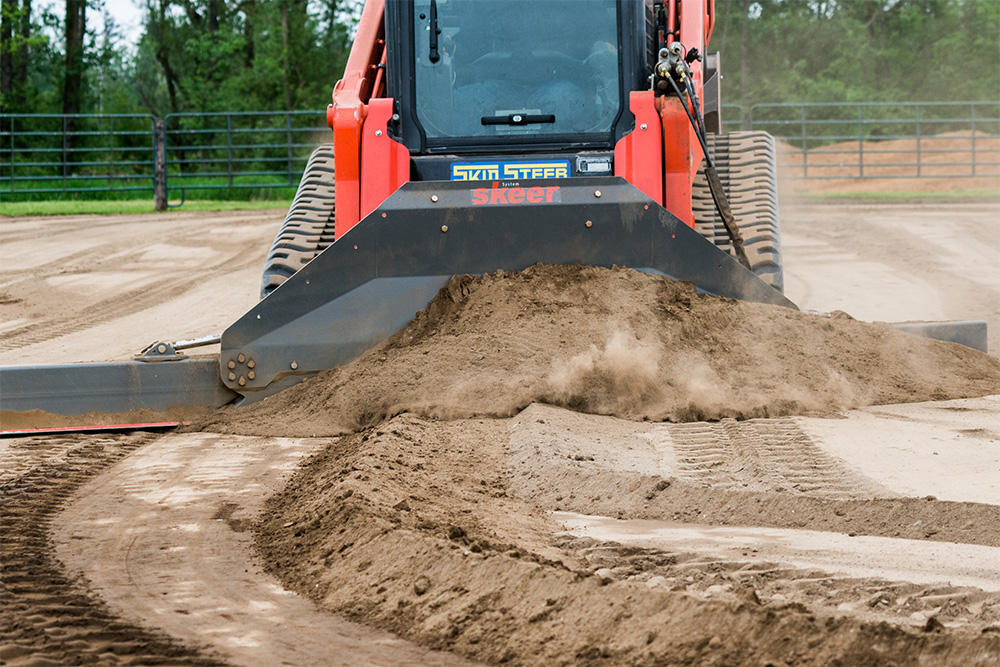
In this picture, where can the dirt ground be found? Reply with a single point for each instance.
(527, 531)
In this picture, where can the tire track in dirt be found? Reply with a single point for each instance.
(108, 245)
(163, 537)
(47, 617)
(761, 581)
(118, 306)
(773, 454)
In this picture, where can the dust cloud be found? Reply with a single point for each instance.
(621, 374)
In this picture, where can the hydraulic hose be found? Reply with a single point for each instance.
(714, 183)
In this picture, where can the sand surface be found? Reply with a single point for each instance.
(92, 288)
(164, 538)
(896, 262)
(460, 514)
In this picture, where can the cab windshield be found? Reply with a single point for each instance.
(516, 67)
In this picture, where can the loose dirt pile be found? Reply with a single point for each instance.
(616, 342)
(441, 532)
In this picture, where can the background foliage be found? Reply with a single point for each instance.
(236, 55)
(858, 50)
(193, 55)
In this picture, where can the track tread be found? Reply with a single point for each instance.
(308, 227)
(747, 168)
(771, 453)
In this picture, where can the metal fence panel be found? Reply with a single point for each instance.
(42, 154)
(884, 139)
(46, 155)
(259, 149)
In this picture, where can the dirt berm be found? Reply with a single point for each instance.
(616, 342)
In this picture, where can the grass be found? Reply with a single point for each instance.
(130, 207)
(904, 195)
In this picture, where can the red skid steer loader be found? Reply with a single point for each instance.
(471, 136)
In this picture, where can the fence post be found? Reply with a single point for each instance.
(288, 140)
(861, 142)
(972, 124)
(229, 147)
(159, 165)
(919, 120)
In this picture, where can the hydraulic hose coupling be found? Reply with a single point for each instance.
(669, 64)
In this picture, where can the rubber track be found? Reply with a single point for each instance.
(747, 168)
(308, 227)
(46, 617)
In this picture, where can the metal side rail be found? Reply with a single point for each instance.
(114, 387)
(971, 333)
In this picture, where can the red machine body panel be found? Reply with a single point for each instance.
(660, 156)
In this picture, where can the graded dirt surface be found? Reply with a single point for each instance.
(50, 616)
(101, 288)
(170, 529)
(895, 262)
(518, 507)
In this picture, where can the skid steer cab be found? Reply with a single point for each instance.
(471, 136)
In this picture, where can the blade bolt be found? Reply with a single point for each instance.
(597, 193)
(232, 376)
(444, 228)
(589, 224)
(242, 381)
(294, 365)
(231, 364)
(642, 127)
(378, 133)
(241, 358)
(434, 198)
(251, 364)
(251, 375)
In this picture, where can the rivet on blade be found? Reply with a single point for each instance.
(597, 193)
(161, 348)
(241, 358)
(589, 223)
(232, 376)
(251, 363)
(231, 364)
(251, 375)
(444, 228)
(434, 198)
(294, 365)
(242, 381)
